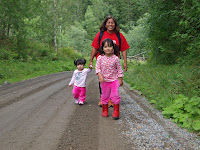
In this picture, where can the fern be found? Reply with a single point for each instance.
(185, 112)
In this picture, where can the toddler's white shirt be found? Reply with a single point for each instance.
(79, 77)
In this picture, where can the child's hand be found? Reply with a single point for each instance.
(101, 79)
(69, 85)
(120, 81)
(91, 66)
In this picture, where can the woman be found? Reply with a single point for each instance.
(110, 29)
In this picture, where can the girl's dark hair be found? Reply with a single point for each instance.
(103, 25)
(79, 62)
(110, 43)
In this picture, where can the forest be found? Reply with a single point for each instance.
(168, 31)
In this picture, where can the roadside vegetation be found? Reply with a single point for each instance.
(43, 61)
(173, 89)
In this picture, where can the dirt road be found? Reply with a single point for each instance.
(40, 114)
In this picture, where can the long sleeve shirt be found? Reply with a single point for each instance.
(109, 67)
(79, 77)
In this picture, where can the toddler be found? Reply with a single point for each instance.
(79, 81)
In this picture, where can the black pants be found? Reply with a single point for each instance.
(100, 89)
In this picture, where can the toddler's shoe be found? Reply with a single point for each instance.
(76, 100)
(110, 104)
(100, 103)
(81, 103)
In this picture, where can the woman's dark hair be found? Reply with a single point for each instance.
(110, 43)
(79, 62)
(103, 25)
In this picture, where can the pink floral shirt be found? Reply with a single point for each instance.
(109, 67)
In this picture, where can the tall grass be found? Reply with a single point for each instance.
(162, 83)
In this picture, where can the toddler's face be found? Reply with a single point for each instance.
(80, 67)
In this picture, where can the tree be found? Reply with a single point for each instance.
(90, 23)
(163, 23)
(137, 37)
(174, 30)
(55, 18)
(127, 12)
(76, 37)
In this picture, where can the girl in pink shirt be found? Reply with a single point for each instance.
(110, 73)
(79, 81)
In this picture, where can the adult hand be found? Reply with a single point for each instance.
(124, 54)
(125, 67)
(93, 53)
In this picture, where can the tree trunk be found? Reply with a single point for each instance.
(55, 43)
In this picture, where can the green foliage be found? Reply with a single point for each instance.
(37, 50)
(76, 38)
(163, 23)
(188, 32)
(68, 53)
(14, 71)
(90, 24)
(170, 30)
(173, 89)
(162, 83)
(99, 9)
(6, 54)
(174, 32)
(137, 37)
(127, 12)
(185, 112)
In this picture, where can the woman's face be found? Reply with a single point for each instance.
(110, 25)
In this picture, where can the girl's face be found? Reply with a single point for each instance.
(80, 67)
(110, 25)
(108, 49)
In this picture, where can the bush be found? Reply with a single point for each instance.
(6, 54)
(69, 53)
(185, 112)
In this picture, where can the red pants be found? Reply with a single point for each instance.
(110, 90)
(79, 92)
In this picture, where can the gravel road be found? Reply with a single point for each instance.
(40, 114)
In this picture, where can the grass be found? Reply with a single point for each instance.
(161, 84)
(14, 71)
